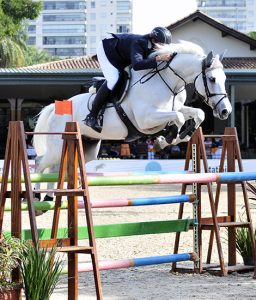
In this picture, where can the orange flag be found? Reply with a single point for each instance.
(63, 107)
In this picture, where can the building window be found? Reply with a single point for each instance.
(64, 29)
(67, 52)
(48, 5)
(31, 40)
(123, 6)
(123, 28)
(32, 29)
(63, 17)
(64, 40)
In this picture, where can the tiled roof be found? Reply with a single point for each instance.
(84, 62)
(239, 63)
(87, 62)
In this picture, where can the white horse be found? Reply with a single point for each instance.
(154, 99)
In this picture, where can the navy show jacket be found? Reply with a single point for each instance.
(129, 49)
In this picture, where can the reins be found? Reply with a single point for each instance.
(158, 70)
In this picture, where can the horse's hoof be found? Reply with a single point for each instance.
(48, 198)
(160, 143)
(40, 212)
(172, 134)
(37, 196)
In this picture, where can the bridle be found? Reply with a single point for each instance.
(207, 91)
(205, 66)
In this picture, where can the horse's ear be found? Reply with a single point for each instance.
(222, 55)
(208, 60)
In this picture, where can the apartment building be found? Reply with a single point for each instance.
(74, 28)
(237, 14)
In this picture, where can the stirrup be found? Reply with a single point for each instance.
(92, 122)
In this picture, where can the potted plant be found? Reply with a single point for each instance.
(40, 270)
(11, 251)
(243, 239)
(244, 245)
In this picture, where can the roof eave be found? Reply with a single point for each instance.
(48, 77)
(225, 30)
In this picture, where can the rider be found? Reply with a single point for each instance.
(119, 51)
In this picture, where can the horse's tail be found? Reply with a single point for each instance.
(42, 125)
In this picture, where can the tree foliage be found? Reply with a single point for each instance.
(34, 56)
(252, 34)
(13, 14)
(19, 10)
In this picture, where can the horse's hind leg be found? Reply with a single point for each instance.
(37, 185)
(51, 185)
(39, 168)
(91, 149)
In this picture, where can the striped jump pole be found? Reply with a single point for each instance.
(144, 178)
(53, 177)
(49, 205)
(173, 178)
(137, 262)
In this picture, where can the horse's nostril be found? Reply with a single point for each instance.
(224, 112)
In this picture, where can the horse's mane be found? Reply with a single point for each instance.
(181, 47)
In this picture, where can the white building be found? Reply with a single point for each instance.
(239, 64)
(237, 14)
(74, 28)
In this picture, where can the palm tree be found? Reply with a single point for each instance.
(13, 14)
(11, 53)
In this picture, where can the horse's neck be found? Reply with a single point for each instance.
(187, 66)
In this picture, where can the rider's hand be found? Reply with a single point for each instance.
(163, 57)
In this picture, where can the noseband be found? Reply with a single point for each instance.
(207, 91)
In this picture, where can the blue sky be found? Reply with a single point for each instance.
(148, 14)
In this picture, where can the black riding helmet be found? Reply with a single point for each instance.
(161, 35)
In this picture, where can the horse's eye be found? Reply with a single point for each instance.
(212, 79)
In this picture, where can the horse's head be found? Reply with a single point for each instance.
(211, 85)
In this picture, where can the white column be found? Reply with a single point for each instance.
(233, 101)
(242, 123)
(19, 104)
(12, 102)
(247, 126)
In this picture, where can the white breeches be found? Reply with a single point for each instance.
(109, 71)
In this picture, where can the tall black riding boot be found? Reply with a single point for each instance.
(100, 98)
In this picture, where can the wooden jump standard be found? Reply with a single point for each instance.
(72, 157)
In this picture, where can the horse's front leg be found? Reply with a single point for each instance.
(172, 135)
(153, 118)
(196, 117)
(40, 168)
